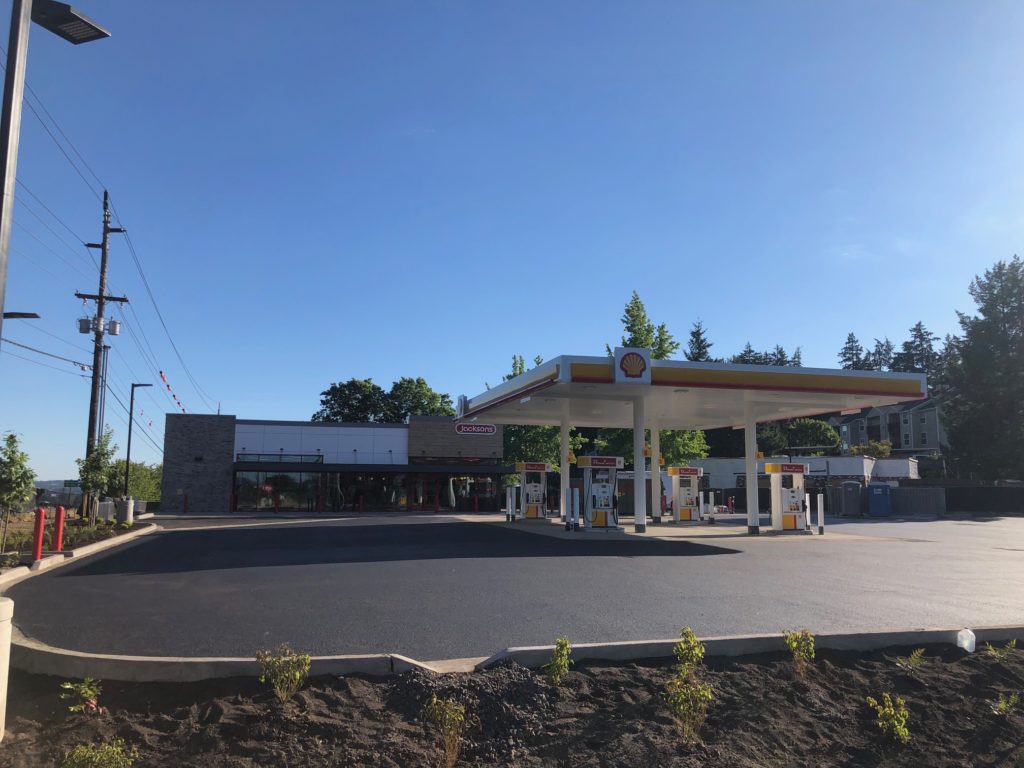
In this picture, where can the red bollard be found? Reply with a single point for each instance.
(58, 531)
(37, 549)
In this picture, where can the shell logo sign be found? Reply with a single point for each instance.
(632, 366)
(475, 429)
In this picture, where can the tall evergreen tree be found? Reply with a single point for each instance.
(880, 358)
(797, 359)
(917, 354)
(851, 356)
(984, 402)
(698, 349)
(640, 331)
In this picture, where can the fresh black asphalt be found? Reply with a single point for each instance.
(452, 589)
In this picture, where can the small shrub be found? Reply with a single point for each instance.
(112, 755)
(450, 717)
(801, 647)
(892, 717)
(688, 700)
(285, 669)
(1002, 654)
(689, 651)
(1004, 705)
(10, 560)
(558, 667)
(86, 695)
(911, 662)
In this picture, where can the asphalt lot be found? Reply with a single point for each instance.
(434, 588)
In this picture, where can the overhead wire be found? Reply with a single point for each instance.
(44, 365)
(31, 100)
(83, 366)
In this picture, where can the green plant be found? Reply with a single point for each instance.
(285, 669)
(689, 651)
(112, 755)
(558, 667)
(1000, 653)
(913, 661)
(892, 717)
(1004, 705)
(86, 695)
(801, 647)
(10, 560)
(688, 699)
(449, 715)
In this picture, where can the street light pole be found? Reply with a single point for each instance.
(10, 127)
(128, 454)
(64, 21)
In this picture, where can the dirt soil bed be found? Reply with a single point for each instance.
(602, 715)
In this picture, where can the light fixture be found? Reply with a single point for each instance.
(64, 21)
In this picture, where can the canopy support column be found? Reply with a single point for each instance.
(750, 454)
(563, 465)
(655, 473)
(639, 486)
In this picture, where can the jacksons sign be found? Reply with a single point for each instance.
(475, 429)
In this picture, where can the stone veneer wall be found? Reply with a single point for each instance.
(198, 463)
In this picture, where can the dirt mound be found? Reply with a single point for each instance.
(602, 715)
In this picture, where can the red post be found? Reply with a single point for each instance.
(58, 533)
(37, 549)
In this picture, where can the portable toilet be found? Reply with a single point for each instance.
(850, 500)
(879, 500)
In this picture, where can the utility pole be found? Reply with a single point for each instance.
(128, 453)
(103, 387)
(98, 325)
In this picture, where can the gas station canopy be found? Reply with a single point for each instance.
(678, 394)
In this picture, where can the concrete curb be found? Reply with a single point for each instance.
(50, 562)
(742, 645)
(47, 562)
(14, 575)
(30, 655)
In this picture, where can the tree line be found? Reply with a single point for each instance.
(978, 377)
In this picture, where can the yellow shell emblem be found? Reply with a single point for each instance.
(633, 365)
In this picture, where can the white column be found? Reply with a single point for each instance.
(563, 466)
(6, 614)
(655, 473)
(750, 454)
(639, 486)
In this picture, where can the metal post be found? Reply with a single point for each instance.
(639, 485)
(750, 454)
(821, 514)
(103, 386)
(563, 461)
(10, 127)
(655, 473)
(128, 451)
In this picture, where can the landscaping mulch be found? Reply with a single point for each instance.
(602, 715)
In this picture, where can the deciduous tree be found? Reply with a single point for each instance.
(812, 433)
(17, 480)
(97, 470)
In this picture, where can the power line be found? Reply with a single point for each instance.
(143, 431)
(65, 243)
(83, 366)
(35, 327)
(44, 365)
(159, 314)
(45, 245)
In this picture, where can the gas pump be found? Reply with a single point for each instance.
(788, 512)
(600, 504)
(685, 493)
(533, 489)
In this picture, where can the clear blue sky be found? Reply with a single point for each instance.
(427, 188)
